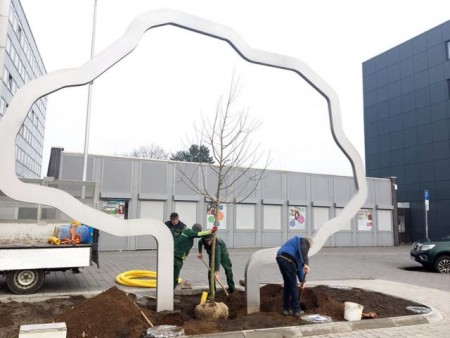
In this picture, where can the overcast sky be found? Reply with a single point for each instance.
(174, 77)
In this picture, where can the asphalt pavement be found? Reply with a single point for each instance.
(384, 269)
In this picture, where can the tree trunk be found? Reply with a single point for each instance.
(212, 267)
(212, 263)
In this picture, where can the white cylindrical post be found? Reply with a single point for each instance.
(88, 110)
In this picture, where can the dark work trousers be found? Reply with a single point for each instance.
(177, 265)
(227, 266)
(290, 291)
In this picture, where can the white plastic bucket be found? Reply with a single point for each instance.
(353, 311)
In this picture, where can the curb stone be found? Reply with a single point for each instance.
(330, 328)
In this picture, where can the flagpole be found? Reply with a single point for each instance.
(88, 112)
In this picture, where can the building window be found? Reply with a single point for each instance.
(364, 220)
(297, 217)
(20, 34)
(2, 106)
(8, 45)
(33, 117)
(245, 217)
(384, 222)
(348, 225)
(321, 216)
(272, 217)
(447, 45)
(5, 76)
(10, 82)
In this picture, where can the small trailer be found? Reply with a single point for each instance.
(26, 262)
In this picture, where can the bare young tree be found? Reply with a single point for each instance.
(149, 151)
(227, 134)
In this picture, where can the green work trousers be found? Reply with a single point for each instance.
(177, 265)
(227, 266)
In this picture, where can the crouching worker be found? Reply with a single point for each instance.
(221, 258)
(293, 261)
(183, 245)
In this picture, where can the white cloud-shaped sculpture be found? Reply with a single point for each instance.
(32, 91)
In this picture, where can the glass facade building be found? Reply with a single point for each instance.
(406, 124)
(20, 62)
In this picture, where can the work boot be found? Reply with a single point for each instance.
(287, 312)
(299, 313)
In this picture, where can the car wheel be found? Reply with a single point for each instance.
(442, 264)
(25, 281)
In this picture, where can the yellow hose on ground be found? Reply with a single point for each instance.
(54, 240)
(140, 278)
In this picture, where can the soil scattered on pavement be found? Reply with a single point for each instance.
(113, 313)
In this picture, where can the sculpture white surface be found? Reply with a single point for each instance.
(47, 84)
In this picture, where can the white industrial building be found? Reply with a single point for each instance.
(266, 218)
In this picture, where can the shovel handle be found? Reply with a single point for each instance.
(302, 284)
(144, 316)
(220, 283)
(223, 288)
(204, 263)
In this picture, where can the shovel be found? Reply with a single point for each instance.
(220, 283)
(144, 316)
(302, 285)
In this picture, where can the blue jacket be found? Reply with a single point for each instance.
(297, 248)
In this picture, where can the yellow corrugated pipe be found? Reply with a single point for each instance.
(54, 240)
(140, 278)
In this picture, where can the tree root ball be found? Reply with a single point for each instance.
(211, 310)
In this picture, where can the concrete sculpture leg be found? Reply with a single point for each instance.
(47, 84)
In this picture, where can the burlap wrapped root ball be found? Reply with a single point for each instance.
(211, 310)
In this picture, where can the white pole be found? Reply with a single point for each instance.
(88, 112)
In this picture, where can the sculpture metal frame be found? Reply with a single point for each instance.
(19, 106)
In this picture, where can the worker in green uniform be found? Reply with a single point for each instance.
(183, 244)
(221, 258)
(175, 226)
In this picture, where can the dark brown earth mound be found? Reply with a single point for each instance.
(114, 314)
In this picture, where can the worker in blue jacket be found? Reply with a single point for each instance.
(293, 261)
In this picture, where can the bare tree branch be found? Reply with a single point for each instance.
(227, 135)
(149, 151)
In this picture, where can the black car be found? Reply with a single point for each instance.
(433, 254)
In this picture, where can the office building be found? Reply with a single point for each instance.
(20, 62)
(407, 132)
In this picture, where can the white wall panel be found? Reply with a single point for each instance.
(384, 220)
(187, 212)
(272, 217)
(321, 215)
(245, 216)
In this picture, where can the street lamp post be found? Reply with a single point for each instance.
(88, 111)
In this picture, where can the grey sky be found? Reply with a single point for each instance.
(174, 77)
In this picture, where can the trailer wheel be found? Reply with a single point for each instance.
(25, 281)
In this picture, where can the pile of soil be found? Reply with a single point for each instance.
(113, 313)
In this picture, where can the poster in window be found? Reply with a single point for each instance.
(297, 219)
(365, 220)
(210, 212)
(115, 208)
